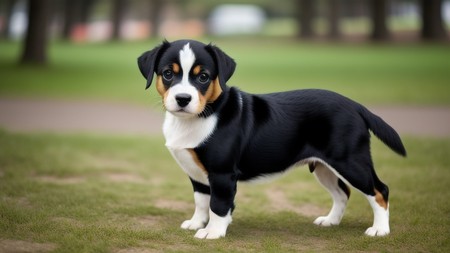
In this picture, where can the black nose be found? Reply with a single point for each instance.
(183, 99)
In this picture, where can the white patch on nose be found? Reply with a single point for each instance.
(187, 59)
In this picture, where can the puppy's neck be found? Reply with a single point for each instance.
(182, 133)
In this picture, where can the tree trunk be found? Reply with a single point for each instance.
(432, 24)
(334, 31)
(35, 46)
(8, 11)
(118, 14)
(70, 14)
(156, 7)
(305, 17)
(379, 15)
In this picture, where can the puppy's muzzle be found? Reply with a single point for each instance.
(183, 99)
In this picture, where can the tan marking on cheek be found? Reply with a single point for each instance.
(161, 89)
(160, 86)
(197, 70)
(196, 160)
(380, 200)
(202, 102)
(176, 68)
(217, 90)
(212, 93)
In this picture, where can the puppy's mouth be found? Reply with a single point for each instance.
(182, 112)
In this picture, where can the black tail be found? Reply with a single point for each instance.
(383, 131)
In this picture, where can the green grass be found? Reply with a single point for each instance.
(369, 73)
(83, 193)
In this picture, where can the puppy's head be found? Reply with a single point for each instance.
(189, 75)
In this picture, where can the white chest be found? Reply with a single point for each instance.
(182, 135)
(190, 164)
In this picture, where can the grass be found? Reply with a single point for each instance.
(368, 73)
(83, 193)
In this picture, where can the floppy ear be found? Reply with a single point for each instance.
(147, 62)
(224, 63)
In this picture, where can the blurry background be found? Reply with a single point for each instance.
(100, 20)
(378, 52)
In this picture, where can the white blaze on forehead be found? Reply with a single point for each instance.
(187, 59)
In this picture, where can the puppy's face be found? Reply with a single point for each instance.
(189, 75)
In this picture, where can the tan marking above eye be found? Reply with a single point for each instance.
(197, 70)
(176, 68)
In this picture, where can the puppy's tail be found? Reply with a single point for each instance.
(383, 131)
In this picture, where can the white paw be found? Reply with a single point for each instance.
(216, 228)
(193, 224)
(374, 231)
(208, 233)
(326, 221)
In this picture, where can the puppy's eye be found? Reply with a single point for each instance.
(168, 75)
(203, 78)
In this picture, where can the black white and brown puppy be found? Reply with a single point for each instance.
(220, 135)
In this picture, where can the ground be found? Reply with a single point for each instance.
(44, 115)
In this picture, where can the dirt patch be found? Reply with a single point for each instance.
(60, 180)
(7, 246)
(124, 177)
(279, 202)
(159, 248)
(149, 221)
(18, 201)
(174, 205)
(139, 250)
(68, 221)
(106, 162)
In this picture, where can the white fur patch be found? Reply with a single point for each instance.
(187, 59)
(171, 105)
(182, 133)
(216, 228)
(187, 133)
(187, 163)
(201, 214)
(330, 181)
(380, 225)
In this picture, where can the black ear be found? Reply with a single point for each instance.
(224, 63)
(147, 62)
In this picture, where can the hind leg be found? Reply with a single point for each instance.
(338, 191)
(376, 192)
(380, 206)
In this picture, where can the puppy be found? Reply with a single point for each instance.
(220, 135)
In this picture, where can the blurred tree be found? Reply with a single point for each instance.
(35, 44)
(379, 14)
(70, 15)
(119, 8)
(432, 24)
(156, 7)
(334, 31)
(305, 17)
(75, 12)
(8, 6)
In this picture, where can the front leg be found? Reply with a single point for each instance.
(201, 215)
(223, 191)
